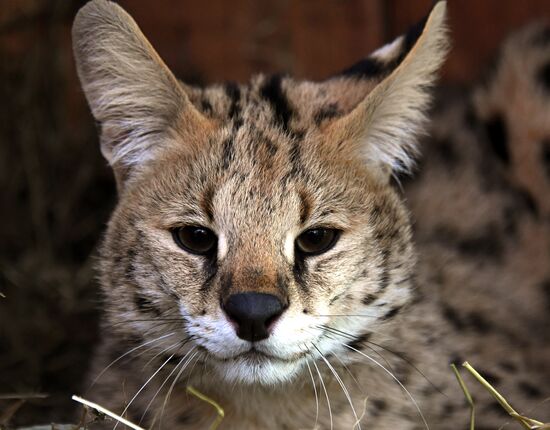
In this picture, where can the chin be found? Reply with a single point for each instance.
(257, 369)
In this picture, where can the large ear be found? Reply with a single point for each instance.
(384, 125)
(137, 101)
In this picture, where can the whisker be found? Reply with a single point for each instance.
(155, 320)
(162, 385)
(349, 336)
(409, 362)
(394, 353)
(316, 395)
(351, 374)
(326, 394)
(143, 387)
(159, 353)
(177, 377)
(346, 315)
(395, 379)
(116, 360)
(342, 385)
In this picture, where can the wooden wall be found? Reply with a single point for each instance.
(230, 39)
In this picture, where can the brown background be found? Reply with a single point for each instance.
(56, 191)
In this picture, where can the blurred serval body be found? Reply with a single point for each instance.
(260, 253)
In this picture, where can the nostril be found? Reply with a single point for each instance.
(253, 313)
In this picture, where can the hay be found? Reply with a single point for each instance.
(525, 422)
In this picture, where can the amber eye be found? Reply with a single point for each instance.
(195, 239)
(317, 240)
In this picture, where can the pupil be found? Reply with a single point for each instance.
(316, 236)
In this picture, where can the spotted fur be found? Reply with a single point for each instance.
(261, 162)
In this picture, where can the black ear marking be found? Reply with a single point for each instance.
(366, 68)
(371, 67)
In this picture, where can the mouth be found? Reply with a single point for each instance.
(256, 356)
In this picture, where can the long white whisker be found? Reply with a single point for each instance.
(316, 395)
(342, 385)
(116, 360)
(326, 394)
(350, 374)
(395, 379)
(143, 387)
(160, 388)
(159, 353)
(169, 393)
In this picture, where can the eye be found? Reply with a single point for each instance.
(195, 239)
(317, 240)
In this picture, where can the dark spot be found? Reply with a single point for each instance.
(470, 118)
(478, 322)
(489, 376)
(525, 200)
(391, 313)
(377, 406)
(206, 107)
(234, 94)
(508, 366)
(486, 242)
(186, 418)
(295, 159)
(542, 38)
(471, 321)
(272, 91)
(498, 137)
(543, 76)
(456, 359)
(358, 341)
(206, 202)
(299, 270)
(448, 408)
(483, 244)
(453, 317)
(492, 407)
(446, 153)
(305, 311)
(368, 299)
(327, 112)
(143, 304)
(227, 152)
(270, 146)
(384, 280)
(530, 390)
(305, 207)
(545, 157)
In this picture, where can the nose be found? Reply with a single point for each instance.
(254, 314)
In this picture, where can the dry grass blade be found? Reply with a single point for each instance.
(467, 395)
(219, 409)
(106, 412)
(525, 422)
